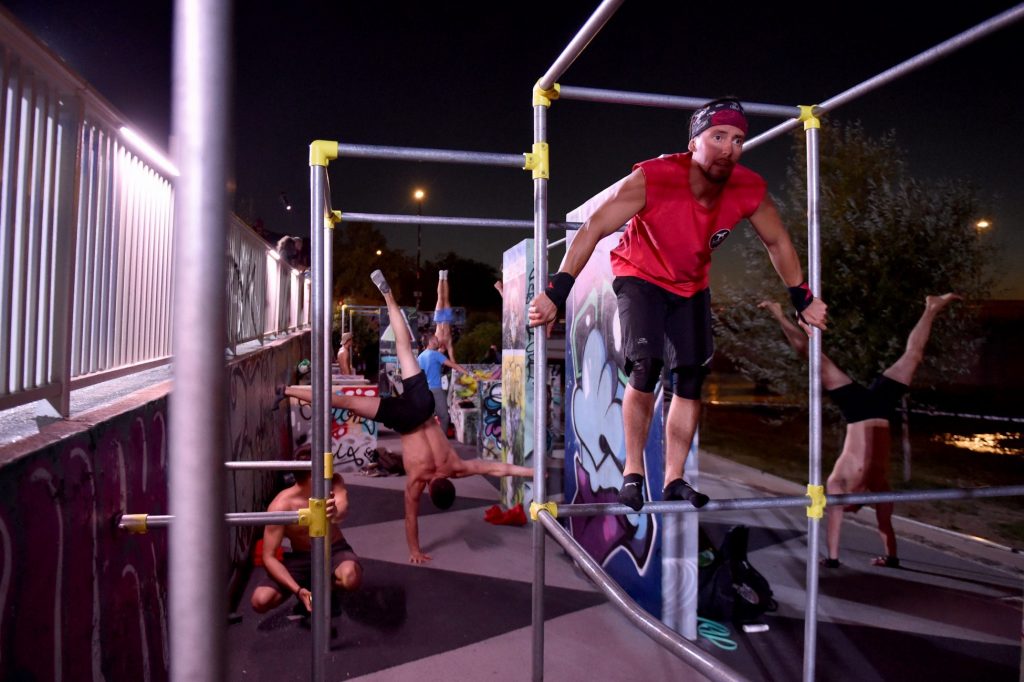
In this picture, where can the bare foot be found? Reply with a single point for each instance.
(937, 303)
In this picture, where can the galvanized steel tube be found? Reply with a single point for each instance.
(271, 465)
(579, 43)
(396, 219)
(196, 437)
(814, 404)
(646, 99)
(321, 387)
(540, 370)
(923, 59)
(130, 523)
(366, 151)
(671, 641)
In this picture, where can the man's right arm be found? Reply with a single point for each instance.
(272, 536)
(627, 198)
(413, 492)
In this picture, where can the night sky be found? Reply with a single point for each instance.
(429, 75)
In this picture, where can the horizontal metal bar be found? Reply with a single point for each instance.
(143, 522)
(401, 219)
(99, 377)
(645, 99)
(660, 507)
(272, 465)
(670, 640)
(366, 151)
(555, 243)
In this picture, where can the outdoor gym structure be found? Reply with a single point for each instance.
(196, 466)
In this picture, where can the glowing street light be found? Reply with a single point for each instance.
(418, 195)
(983, 225)
(379, 252)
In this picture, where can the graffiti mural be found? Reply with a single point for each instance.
(80, 599)
(516, 370)
(352, 437)
(490, 420)
(594, 440)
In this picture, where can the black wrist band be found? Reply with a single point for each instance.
(559, 286)
(801, 296)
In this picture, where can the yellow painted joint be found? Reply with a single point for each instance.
(305, 517)
(322, 152)
(317, 517)
(542, 98)
(817, 507)
(135, 523)
(549, 507)
(808, 116)
(328, 465)
(538, 161)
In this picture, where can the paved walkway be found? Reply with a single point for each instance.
(952, 612)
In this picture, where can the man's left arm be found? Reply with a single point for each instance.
(768, 225)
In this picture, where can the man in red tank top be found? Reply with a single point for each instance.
(679, 208)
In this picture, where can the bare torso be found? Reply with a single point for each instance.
(863, 464)
(426, 454)
(293, 499)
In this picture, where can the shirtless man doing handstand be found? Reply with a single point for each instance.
(428, 459)
(863, 465)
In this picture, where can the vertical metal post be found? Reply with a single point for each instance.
(196, 440)
(540, 400)
(321, 383)
(814, 427)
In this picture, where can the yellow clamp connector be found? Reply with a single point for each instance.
(808, 116)
(542, 98)
(135, 523)
(817, 494)
(329, 466)
(332, 219)
(538, 161)
(322, 152)
(315, 517)
(549, 507)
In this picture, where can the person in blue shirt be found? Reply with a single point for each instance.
(432, 362)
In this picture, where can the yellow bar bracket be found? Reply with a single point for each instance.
(315, 517)
(329, 465)
(817, 495)
(543, 98)
(808, 116)
(322, 152)
(549, 507)
(135, 523)
(538, 161)
(332, 219)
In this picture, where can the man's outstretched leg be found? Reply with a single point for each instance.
(403, 337)
(903, 369)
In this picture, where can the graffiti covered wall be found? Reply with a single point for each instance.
(389, 381)
(595, 452)
(352, 437)
(79, 599)
(517, 370)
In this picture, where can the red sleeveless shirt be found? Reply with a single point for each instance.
(669, 242)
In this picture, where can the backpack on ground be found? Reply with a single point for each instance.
(730, 589)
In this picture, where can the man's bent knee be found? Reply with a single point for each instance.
(644, 374)
(688, 381)
(264, 599)
(348, 576)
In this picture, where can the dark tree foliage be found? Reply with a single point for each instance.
(887, 240)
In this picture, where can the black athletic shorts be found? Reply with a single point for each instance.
(300, 566)
(408, 411)
(662, 325)
(879, 401)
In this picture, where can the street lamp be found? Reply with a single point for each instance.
(418, 195)
(983, 225)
